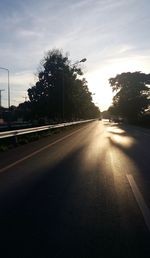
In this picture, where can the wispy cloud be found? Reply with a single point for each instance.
(106, 32)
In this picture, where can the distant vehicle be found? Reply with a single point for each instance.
(100, 118)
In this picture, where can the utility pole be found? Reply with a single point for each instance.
(1, 97)
(7, 70)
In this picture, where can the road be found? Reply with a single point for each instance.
(83, 193)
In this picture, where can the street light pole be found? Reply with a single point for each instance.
(1, 97)
(8, 85)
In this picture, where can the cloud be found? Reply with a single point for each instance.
(109, 33)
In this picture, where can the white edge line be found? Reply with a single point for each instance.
(38, 151)
(138, 196)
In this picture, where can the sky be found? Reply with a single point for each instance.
(113, 35)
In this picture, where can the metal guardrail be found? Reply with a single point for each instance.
(7, 134)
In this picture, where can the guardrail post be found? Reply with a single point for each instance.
(15, 140)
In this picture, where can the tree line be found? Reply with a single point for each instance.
(59, 93)
(132, 98)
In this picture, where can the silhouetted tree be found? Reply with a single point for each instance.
(24, 111)
(59, 93)
(132, 94)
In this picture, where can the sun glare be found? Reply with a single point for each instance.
(99, 86)
(119, 137)
(98, 80)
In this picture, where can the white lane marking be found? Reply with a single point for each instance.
(37, 151)
(138, 196)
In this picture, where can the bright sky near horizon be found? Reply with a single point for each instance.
(112, 34)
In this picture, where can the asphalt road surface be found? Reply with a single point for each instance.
(82, 193)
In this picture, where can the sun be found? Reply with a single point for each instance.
(99, 86)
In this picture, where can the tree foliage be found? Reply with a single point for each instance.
(132, 94)
(59, 93)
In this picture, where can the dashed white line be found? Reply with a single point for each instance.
(139, 198)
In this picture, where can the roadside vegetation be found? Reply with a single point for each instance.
(59, 94)
(131, 103)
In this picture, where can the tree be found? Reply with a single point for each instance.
(132, 94)
(59, 93)
(24, 111)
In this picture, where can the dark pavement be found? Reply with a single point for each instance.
(73, 198)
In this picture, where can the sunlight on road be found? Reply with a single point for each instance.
(118, 137)
(124, 141)
(95, 150)
(121, 162)
(106, 152)
(115, 130)
(101, 143)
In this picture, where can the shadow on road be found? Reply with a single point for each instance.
(71, 211)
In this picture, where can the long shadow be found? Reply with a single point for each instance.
(56, 218)
(135, 151)
(65, 214)
(139, 154)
